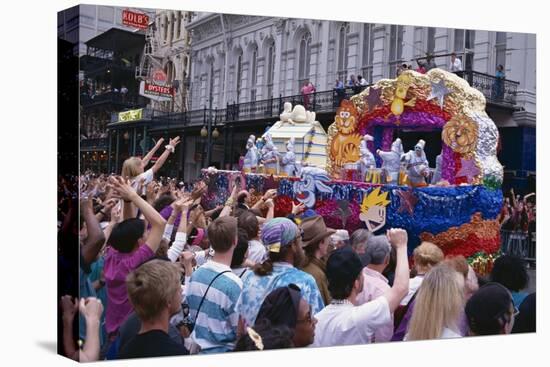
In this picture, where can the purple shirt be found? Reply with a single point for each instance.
(117, 266)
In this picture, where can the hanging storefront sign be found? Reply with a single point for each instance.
(132, 115)
(156, 92)
(159, 77)
(134, 19)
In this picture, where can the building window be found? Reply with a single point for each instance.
(343, 51)
(430, 47)
(500, 49)
(368, 51)
(464, 47)
(165, 28)
(270, 69)
(172, 21)
(396, 49)
(254, 63)
(253, 73)
(239, 74)
(305, 58)
(178, 24)
(211, 86)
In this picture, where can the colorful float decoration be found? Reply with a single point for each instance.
(462, 197)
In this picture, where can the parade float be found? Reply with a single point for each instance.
(357, 174)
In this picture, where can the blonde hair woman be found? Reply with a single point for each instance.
(425, 257)
(438, 305)
(133, 168)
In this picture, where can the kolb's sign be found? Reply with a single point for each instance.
(132, 115)
(134, 19)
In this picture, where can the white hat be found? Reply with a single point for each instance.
(421, 144)
(367, 137)
(340, 235)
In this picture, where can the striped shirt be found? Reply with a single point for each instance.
(216, 325)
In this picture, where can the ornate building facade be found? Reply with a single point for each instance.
(243, 58)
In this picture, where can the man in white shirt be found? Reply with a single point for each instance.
(343, 322)
(456, 64)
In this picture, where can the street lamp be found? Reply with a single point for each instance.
(204, 132)
(215, 133)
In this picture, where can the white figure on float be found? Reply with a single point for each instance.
(367, 161)
(437, 173)
(270, 156)
(391, 161)
(251, 158)
(289, 159)
(417, 165)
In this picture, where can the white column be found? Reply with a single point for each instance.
(323, 81)
(278, 63)
(521, 67)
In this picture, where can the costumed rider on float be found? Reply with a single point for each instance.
(251, 158)
(289, 160)
(270, 156)
(391, 162)
(367, 161)
(417, 165)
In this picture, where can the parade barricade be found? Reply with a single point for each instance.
(519, 243)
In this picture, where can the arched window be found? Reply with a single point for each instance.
(211, 86)
(253, 72)
(165, 28)
(178, 24)
(270, 68)
(343, 51)
(239, 74)
(305, 58)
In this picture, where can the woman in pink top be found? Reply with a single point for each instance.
(127, 249)
(307, 89)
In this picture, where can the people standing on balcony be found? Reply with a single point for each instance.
(352, 81)
(456, 64)
(430, 63)
(362, 82)
(339, 90)
(498, 85)
(421, 68)
(307, 90)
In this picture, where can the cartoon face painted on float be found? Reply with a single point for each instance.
(311, 179)
(373, 210)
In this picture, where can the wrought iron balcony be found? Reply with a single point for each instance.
(496, 90)
(94, 144)
(111, 97)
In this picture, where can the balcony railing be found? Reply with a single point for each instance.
(94, 144)
(495, 90)
(111, 97)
